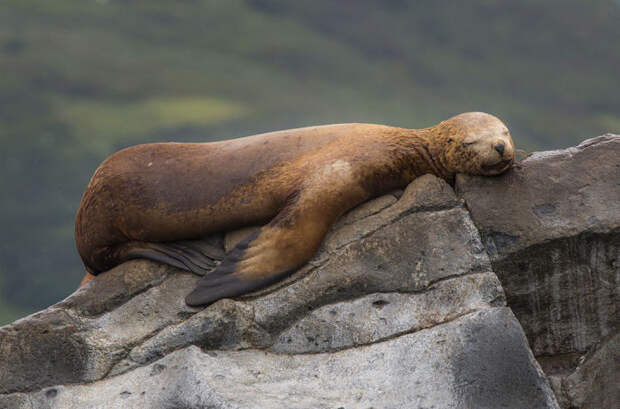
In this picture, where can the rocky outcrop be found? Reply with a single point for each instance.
(552, 229)
(400, 308)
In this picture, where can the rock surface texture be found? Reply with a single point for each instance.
(551, 227)
(401, 308)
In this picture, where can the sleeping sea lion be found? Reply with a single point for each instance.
(158, 201)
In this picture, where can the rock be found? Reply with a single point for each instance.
(551, 226)
(548, 196)
(43, 349)
(479, 360)
(400, 307)
(594, 383)
(381, 316)
(115, 288)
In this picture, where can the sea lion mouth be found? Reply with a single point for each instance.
(498, 167)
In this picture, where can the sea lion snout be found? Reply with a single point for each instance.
(504, 148)
(500, 158)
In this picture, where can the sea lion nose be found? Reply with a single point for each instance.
(500, 148)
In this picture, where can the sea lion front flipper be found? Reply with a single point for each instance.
(287, 242)
(260, 259)
(226, 281)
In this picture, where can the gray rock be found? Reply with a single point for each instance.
(110, 335)
(229, 326)
(380, 316)
(479, 360)
(548, 196)
(566, 293)
(399, 308)
(389, 259)
(82, 337)
(115, 287)
(43, 349)
(551, 226)
(594, 383)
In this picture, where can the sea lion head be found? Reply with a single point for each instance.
(477, 144)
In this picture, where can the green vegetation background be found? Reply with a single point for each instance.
(81, 79)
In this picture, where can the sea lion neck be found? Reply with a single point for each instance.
(423, 149)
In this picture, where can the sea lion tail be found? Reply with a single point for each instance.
(197, 256)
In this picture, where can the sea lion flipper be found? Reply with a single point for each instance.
(284, 244)
(263, 257)
(196, 256)
(227, 280)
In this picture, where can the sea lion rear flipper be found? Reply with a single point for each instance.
(197, 256)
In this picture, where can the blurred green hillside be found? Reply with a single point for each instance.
(81, 79)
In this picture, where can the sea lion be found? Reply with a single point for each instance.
(158, 201)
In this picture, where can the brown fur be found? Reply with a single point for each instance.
(302, 180)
